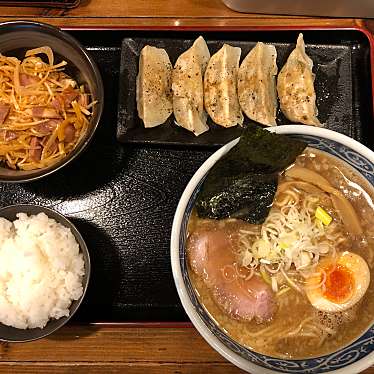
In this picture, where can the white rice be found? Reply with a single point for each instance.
(41, 271)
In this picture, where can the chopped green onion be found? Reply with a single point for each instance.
(264, 261)
(323, 216)
(283, 245)
(282, 291)
(265, 276)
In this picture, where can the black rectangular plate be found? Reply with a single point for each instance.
(122, 197)
(340, 85)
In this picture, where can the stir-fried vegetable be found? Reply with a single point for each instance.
(43, 112)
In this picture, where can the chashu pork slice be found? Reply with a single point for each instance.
(211, 255)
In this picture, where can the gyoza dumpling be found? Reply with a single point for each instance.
(220, 87)
(188, 94)
(153, 86)
(296, 87)
(256, 84)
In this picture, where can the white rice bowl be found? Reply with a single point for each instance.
(41, 270)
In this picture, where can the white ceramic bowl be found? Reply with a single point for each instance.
(354, 358)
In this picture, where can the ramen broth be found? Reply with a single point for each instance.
(297, 329)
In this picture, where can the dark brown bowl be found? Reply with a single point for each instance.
(12, 334)
(16, 37)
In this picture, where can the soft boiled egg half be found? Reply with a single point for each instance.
(340, 284)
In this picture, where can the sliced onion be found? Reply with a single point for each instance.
(46, 50)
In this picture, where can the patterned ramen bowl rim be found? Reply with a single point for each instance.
(353, 358)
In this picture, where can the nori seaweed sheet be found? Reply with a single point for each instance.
(243, 183)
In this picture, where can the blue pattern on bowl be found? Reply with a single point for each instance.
(337, 360)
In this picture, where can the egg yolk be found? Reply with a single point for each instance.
(339, 284)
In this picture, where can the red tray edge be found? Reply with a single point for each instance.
(365, 31)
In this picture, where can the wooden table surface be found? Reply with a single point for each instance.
(133, 350)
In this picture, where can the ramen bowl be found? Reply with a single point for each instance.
(16, 37)
(352, 358)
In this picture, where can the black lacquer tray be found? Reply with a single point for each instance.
(122, 197)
